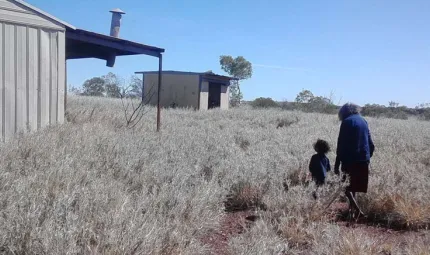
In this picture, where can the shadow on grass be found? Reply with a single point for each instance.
(381, 221)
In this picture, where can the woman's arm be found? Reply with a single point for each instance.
(337, 165)
(371, 145)
(340, 146)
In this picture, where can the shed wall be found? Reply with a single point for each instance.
(183, 90)
(32, 76)
(204, 96)
(225, 102)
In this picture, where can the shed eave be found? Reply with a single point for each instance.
(45, 14)
(86, 44)
(203, 74)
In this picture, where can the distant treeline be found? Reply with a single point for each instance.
(307, 102)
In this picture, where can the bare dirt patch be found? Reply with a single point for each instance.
(233, 224)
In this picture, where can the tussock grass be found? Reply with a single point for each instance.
(244, 196)
(95, 186)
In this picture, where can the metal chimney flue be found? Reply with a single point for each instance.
(116, 22)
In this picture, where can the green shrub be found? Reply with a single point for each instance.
(316, 105)
(424, 114)
(263, 102)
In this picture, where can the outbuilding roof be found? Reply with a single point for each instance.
(208, 75)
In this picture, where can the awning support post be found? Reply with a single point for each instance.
(160, 68)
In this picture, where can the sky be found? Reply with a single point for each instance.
(357, 51)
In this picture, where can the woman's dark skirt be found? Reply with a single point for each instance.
(358, 174)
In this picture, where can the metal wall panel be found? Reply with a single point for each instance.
(183, 90)
(9, 80)
(33, 77)
(61, 76)
(32, 70)
(53, 100)
(45, 79)
(1, 82)
(21, 79)
(225, 102)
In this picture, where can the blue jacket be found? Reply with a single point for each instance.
(354, 143)
(319, 166)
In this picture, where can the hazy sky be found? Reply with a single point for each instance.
(362, 51)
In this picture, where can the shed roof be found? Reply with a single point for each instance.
(45, 14)
(86, 44)
(209, 75)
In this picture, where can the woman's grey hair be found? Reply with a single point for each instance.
(347, 110)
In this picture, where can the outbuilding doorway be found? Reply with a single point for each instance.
(214, 99)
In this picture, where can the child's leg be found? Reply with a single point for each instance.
(315, 193)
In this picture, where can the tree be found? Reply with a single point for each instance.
(74, 90)
(393, 104)
(94, 87)
(308, 102)
(305, 96)
(262, 102)
(135, 87)
(113, 85)
(319, 100)
(423, 106)
(239, 68)
(113, 91)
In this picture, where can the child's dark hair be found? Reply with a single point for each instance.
(321, 146)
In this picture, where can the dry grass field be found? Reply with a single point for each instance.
(94, 186)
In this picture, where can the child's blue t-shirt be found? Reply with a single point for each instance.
(319, 166)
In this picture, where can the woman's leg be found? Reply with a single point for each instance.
(353, 202)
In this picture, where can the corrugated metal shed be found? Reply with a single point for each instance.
(34, 46)
(32, 69)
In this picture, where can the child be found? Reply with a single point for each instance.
(320, 164)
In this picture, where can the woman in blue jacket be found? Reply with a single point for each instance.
(354, 150)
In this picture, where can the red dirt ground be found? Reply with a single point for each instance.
(234, 223)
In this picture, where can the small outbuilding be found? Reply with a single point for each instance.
(197, 90)
(34, 47)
